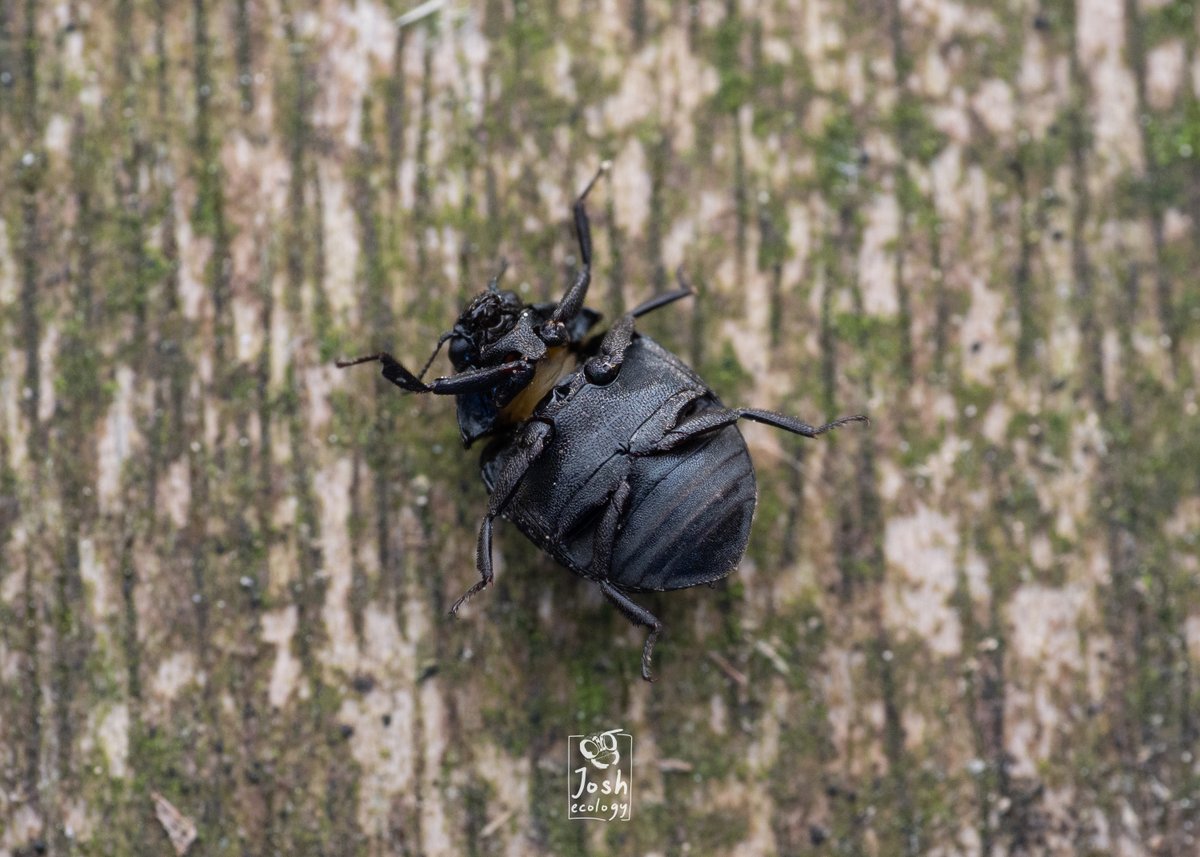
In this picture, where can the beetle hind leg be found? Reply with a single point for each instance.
(719, 418)
(639, 616)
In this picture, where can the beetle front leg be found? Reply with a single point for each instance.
(638, 616)
(470, 381)
(393, 370)
(483, 379)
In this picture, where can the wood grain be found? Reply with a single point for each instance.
(225, 565)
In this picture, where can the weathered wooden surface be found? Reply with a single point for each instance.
(224, 565)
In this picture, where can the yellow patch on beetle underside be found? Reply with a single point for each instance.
(557, 363)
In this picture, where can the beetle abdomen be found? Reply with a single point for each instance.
(686, 517)
(689, 516)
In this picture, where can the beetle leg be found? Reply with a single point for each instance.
(470, 381)
(393, 370)
(606, 531)
(522, 339)
(603, 368)
(480, 380)
(659, 301)
(554, 331)
(483, 561)
(715, 419)
(638, 616)
(529, 446)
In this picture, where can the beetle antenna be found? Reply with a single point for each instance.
(605, 166)
(441, 341)
(494, 282)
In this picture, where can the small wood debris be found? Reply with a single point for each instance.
(729, 669)
(777, 661)
(181, 830)
(674, 766)
(496, 823)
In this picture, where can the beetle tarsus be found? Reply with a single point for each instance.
(483, 560)
(638, 615)
(660, 301)
(393, 370)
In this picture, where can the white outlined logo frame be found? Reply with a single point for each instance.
(600, 775)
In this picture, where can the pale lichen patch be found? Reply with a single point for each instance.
(47, 353)
(174, 492)
(278, 627)
(118, 435)
(340, 230)
(95, 577)
(877, 257)
(1045, 639)
(631, 187)
(985, 347)
(108, 731)
(1166, 63)
(332, 485)
(434, 827)
(1191, 632)
(193, 256)
(993, 104)
(921, 547)
(174, 673)
(23, 826)
(355, 39)
(8, 268)
(382, 720)
(1039, 84)
(57, 136)
(1101, 39)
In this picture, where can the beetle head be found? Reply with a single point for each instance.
(485, 321)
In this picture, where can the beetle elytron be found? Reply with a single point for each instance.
(607, 452)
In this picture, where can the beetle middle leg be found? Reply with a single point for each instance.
(530, 445)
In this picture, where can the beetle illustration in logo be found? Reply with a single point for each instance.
(600, 775)
(601, 750)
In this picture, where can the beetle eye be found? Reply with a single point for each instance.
(461, 352)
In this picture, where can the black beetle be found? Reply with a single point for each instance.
(608, 452)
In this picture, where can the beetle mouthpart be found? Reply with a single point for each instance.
(553, 333)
